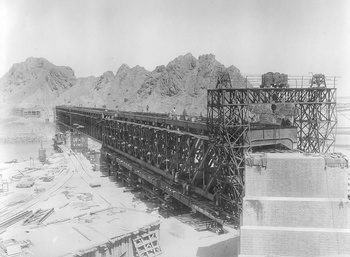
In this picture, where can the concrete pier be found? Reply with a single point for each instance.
(295, 205)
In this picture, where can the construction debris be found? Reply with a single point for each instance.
(39, 190)
(14, 219)
(95, 184)
(81, 233)
(85, 197)
(47, 178)
(63, 206)
(147, 244)
(38, 217)
(29, 182)
(11, 247)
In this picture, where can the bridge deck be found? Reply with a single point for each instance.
(208, 159)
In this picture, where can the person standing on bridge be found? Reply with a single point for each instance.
(173, 113)
(184, 114)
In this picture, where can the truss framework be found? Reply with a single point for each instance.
(228, 126)
(207, 158)
(181, 157)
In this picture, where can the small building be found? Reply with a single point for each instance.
(32, 112)
(26, 112)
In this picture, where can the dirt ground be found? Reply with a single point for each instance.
(63, 183)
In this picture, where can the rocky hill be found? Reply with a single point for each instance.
(109, 90)
(35, 83)
(182, 83)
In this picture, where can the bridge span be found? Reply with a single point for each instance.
(202, 163)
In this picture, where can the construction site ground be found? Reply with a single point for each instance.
(68, 184)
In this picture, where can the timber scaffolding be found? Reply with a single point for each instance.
(201, 164)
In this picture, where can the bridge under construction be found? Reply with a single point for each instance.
(205, 163)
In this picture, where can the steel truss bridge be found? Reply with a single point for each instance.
(201, 164)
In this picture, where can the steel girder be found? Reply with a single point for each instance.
(184, 158)
(228, 124)
(212, 165)
(315, 112)
(85, 121)
(316, 119)
(180, 156)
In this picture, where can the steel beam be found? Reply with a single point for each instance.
(229, 128)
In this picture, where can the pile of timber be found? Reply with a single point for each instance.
(14, 219)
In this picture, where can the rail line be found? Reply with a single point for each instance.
(25, 206)
(15, 214)
(66, 150)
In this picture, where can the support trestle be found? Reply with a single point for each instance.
(205, 160)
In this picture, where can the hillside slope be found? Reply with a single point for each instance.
(35, 83)
(108, 90)
(182, 83)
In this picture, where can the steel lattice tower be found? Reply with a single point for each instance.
(228, 125)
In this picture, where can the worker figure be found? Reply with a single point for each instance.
(184, 113)
(173, 113)
(186, 189)
(176, 177)
(147, 107)
(201, 115)
(273, 108)
(285, 122)
(250, 116)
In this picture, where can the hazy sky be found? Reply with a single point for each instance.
(257, 36)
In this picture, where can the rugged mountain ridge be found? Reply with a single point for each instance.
(35, 82)
(108, 91)
(182, 83)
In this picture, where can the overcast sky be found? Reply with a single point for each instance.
(257, 36)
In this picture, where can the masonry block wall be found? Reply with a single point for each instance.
(295, 205)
